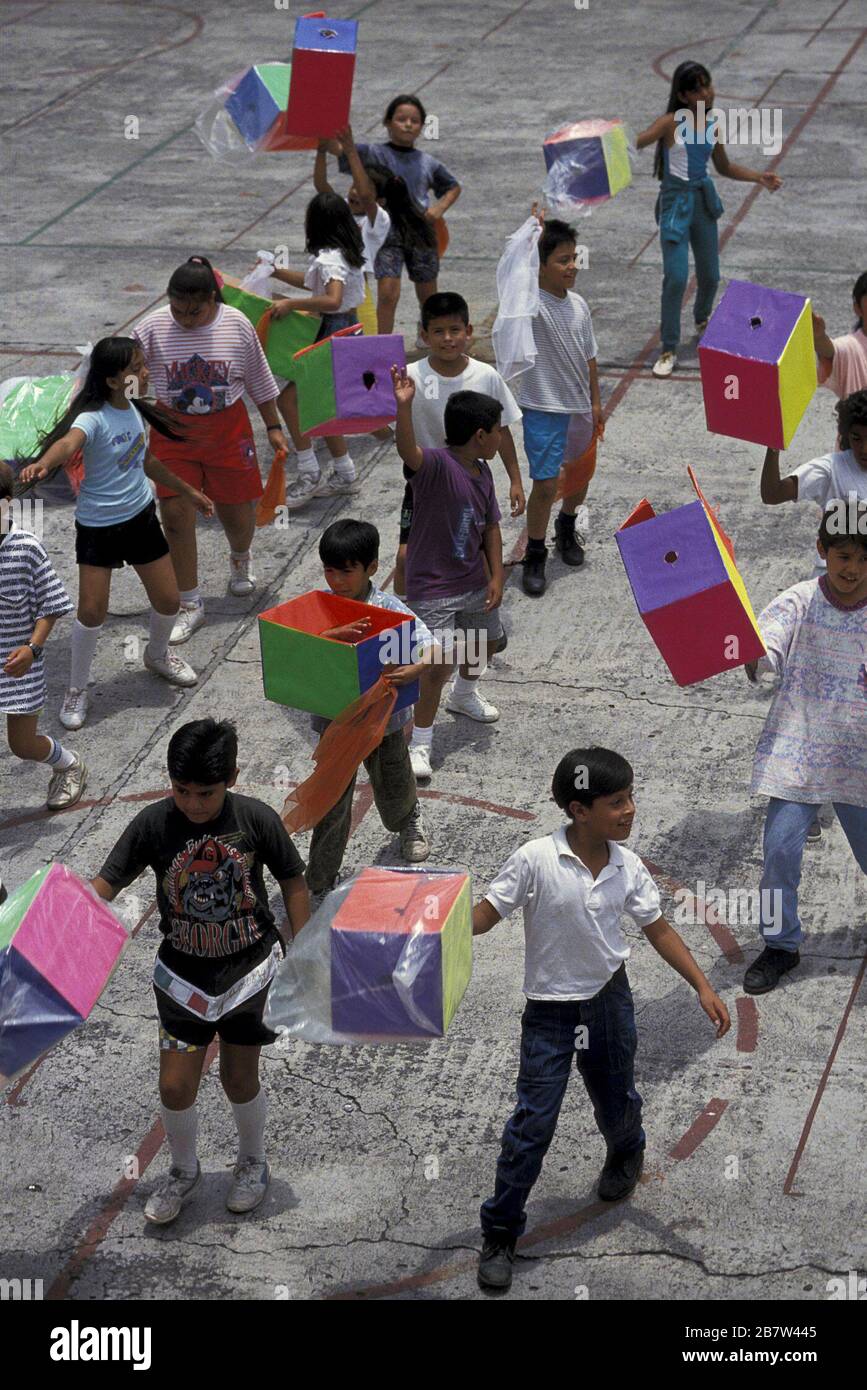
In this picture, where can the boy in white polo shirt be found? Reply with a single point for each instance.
(574, 886)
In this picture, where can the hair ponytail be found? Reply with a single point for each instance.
(411, 226)
(195, 279)
(685, 78)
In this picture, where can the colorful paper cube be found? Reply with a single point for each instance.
(401, 953)
(58, 947)
(286, 335)
(690, 596)
(323, 64)
(257, 106)
(587, 162)
(304, 670)
(344, 382)
(758, 366)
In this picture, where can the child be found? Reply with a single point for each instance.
(843, 361)
(349, 551)
(688, 206)
(574, 886)
(367, 188)
(404, 120)
(32, 598)
(220, 948)
(456, 531)
(447, 332)
(842, 474)
(115, 516)
(559, 396)
(812, 749)
(203, 355)
(335, 276)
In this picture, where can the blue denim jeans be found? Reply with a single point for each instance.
(548, 1044)
(786, 827)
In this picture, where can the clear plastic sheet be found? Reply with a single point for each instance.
(386, 958)
(220, 134)
(589, 162)
(518, 296)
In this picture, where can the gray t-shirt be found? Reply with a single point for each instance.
(560, 379)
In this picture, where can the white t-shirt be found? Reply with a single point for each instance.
(333, 265)
(560, 379)
(836, 475)
(373, 234)
(574, 941)
(432, 392)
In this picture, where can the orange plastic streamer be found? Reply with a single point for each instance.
(262, 328)
(573, 474)
(338, 755)
(274, 495)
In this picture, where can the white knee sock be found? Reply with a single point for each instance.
(250, 1120)
(308, 464)
(160, 632)
(84, 640)
(181, 1127)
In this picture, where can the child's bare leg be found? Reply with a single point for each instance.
(178, 516)
(239, 1072)
(387, 296)
(180, 1074)
(539, 505)
(287, 404)
(400, 572)
(424, 289)
(23, 739)
(570, 504)
(432, 681)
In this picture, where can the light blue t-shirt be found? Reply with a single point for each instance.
(115, 486)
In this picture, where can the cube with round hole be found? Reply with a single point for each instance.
(344, 382)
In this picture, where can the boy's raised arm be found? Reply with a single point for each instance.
(773, 488)
(404, 392)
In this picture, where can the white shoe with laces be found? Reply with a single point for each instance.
(335, 486)
(474, 705)
(190, 619)
(664, 364)
(299, 492)
(171, 668)
(250, 1180)
(73, 711)
(241, 581)
(419, 761)
(165, 1202)
(66, 787)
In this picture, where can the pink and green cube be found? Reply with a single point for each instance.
(344, 382)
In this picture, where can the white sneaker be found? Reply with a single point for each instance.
(65, 788)
(419, 760)
(299, 492)
(171, 668)
(335, 486)
(414, 844)
(73, 711)
(165, 1202)
(250, 1180)
(474, 705)
(241, 581)
(664, 364)
(190, 619)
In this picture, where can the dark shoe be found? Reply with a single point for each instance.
(534, 581)
(620, 1175)
(568, 541)
(815, 831)
(765, 972)
(496, 1262)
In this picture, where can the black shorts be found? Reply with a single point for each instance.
(180, 1031)
(406, 511)
(138, 541)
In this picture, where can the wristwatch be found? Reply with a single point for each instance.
(36, 649)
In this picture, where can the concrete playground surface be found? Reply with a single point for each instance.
(754, 1182)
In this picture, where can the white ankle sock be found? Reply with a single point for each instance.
(59, 758)
(344, 468)
(191, 598)
(240, 554)
(308, 464)
(181, 1127)
(422, 738)
(160, 632)
(84, 640)
(462, 686)
(250, 1120)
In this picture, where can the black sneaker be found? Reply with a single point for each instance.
(766, 970)
(568, 541)
(620, 1175)
(496, 1262)
(533, 580)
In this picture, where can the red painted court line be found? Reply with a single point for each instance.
(4, 23)
(44, 814)
(842, 5)
(820, 1091)
(748, 1023)
(700, 1129)
(510, 811)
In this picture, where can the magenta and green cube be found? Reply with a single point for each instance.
(305, 670)
(286, 336)
(344, 382)
(59, 944)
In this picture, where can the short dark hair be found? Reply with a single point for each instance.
(852, 410)
(468, 411)
(7, 479)
(349, 542)
(554, 233)
(405, 99)
(203, 751)
(844, 521)
(444, 305)
(603, 771)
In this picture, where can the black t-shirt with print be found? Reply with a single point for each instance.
(211, 894)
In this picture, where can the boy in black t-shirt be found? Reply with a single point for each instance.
(220, 948)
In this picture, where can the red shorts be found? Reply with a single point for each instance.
(218, 457)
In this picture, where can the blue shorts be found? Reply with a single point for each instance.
(552, 439)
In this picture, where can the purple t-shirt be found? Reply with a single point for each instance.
(452, 508)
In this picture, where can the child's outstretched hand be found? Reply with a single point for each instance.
(33, 473)
(402, 675)
(715, 1010)
(349, 632)
(404, 386)
(771, 182)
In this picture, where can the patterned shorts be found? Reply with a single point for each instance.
(422, 262)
